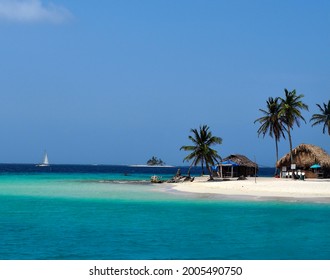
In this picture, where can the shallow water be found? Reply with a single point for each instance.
(83, 216)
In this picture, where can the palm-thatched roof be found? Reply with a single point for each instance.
(305, 155)
(241, 161)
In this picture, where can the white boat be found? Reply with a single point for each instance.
(45, 161)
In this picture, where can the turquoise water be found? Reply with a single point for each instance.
(84, 216)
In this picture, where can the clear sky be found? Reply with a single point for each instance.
(119, 81)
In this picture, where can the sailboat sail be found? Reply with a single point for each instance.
(45, 161)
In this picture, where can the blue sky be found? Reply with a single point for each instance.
(116, 82)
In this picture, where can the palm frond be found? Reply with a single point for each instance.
(201, 152)
(324, 117)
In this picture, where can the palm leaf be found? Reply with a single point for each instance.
(201, 151)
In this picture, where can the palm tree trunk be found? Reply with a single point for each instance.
(276, 144)
(209, 169)
(191, 165)
(290, 141)
(291, 155)
(203, 167)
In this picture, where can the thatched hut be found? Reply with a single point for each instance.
(306, 156)
(236, 166)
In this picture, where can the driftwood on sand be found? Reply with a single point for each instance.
(178, 178)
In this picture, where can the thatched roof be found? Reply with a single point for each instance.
(241, 161)
(305, 155)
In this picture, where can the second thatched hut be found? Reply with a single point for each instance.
(310, 159)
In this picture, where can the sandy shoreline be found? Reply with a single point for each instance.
(263, 189)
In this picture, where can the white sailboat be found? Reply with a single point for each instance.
(45, 161)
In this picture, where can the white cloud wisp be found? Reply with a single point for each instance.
(32, 11)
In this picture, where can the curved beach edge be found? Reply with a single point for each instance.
(261, 188)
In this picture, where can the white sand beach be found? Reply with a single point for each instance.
(261, 188)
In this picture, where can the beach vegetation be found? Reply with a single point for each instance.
(155, 161)
(200, 151)
(323, 117)
(272, 123)
(290, 112)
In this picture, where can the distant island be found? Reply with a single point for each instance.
(155, 161)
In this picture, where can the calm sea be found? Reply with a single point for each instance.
(112, 212)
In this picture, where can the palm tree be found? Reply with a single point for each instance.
(272, 123)
(201, 151)
(290, 111)
(324, 117)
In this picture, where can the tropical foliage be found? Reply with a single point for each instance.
(200, 150)
(323, 118)
(291, 107)
(272, 122)
(280, 117)
(155, 161)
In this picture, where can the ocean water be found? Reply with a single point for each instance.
(100, 212)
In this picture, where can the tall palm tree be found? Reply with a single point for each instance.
(291, 107)
(201, 151)
(324, 117)
(272, 123)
